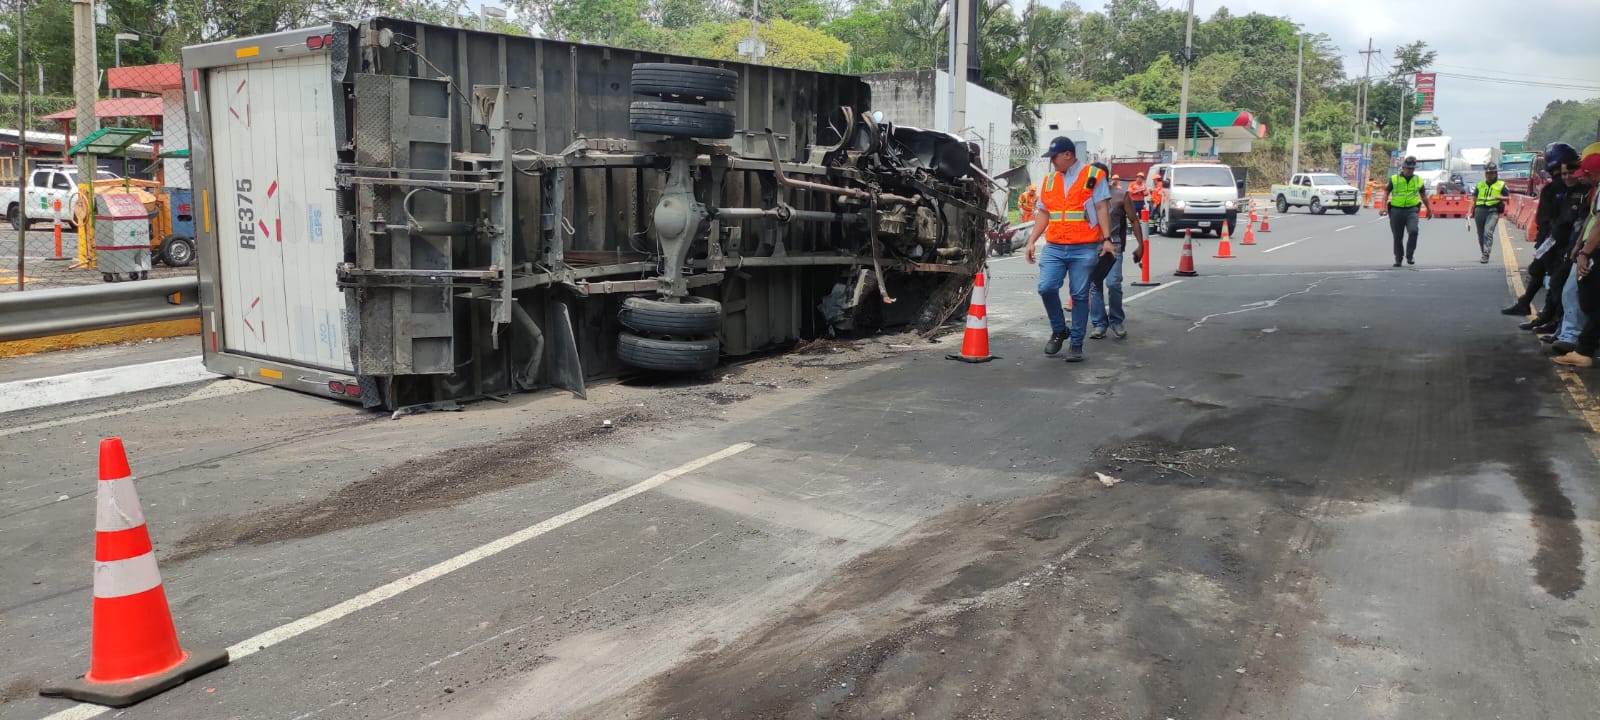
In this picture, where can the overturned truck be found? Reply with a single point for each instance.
(405, 214)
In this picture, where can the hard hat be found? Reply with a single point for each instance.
(1141, 173)
(1409, 162)
(1560, 154)
(1491, 168)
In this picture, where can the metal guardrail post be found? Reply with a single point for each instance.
(41, 313)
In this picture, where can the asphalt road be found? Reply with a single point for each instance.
(1347, 491)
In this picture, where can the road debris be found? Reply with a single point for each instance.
(1107, 480)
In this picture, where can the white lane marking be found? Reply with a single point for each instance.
(213, 390)
(91, 384)
(1287, 244)
(243, 649)
(1143, 293)
(1347, 227)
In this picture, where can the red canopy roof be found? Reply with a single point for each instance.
(139, 107)
(145, 78)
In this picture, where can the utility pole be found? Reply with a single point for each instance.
(1183, 102)
(1361, 94)
(85, 78)
(22, 158)
(958, 67)
(1400, 132)
(1299, 78)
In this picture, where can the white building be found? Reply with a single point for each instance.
(1101, 130)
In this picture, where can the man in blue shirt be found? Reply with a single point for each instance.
(1073, 200)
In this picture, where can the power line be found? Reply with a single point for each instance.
(1525, 83)
(1540, 76)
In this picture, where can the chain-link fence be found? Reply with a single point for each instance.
(133, 220)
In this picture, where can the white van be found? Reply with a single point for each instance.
(1198, 196)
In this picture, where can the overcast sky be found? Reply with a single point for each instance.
(1473, 37)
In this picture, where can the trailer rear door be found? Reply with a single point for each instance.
(273, 164)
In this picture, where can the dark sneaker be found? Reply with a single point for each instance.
(1075, 353)
(1531, 324)
(1518, 309)
(1119, 331)
(1562, 347)
(1485, 259)
(1547, 339)
(1411, 261)
(1054, 345)
(1548, 327)
(1396, 260)
(1098, 334)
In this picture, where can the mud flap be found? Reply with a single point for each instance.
(566, 371)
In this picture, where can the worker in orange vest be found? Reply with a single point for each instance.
(1136, 193)
(1372, 186)
(1158, 193)
(1026, 201)
(1074, 218)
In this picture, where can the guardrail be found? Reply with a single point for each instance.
(41, 313)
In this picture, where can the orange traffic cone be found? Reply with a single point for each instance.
(1252, 216)
(1186, 263)
(975, 344)
(1224, 247)
(1265, 226)
(134, 650)
(1249, 236)
(1144, 214)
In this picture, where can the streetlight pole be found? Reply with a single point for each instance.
(1183, 102)
(116, 44)
(489, 11)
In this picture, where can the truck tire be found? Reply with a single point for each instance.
(177, 251)
(1316, 207)
(1283, 205)
(685, 317)
(684, 83)
(681, 120)
(14, 216)
(1351, 210)
(668, 355)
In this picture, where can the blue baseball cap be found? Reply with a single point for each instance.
(1060, 145)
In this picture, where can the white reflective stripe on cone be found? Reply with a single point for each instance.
(977, 323)
(120, 578)
(980, 295)
(118, 506)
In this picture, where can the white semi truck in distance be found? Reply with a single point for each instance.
(1435, 159)
(1479, 158)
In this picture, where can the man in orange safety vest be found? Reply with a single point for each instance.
(1073, 216)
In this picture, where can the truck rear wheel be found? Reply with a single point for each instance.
(668, 355)
(177, 251)
(683, 317)
(684, 83)
(1283, 205)
(14, 216)
(681, 120)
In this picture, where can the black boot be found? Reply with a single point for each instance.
(1535, 323)
(1520, 308)
(1054, 345)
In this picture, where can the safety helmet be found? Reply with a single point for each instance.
(1491, 168)
(1409, 162)
(1559, 154)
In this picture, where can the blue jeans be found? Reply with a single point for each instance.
(1112, 288)
(1572, 318)
(1072, 263)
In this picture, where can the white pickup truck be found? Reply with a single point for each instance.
(1317, 192)
(52, 195)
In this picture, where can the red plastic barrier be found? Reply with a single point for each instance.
(1451, 206)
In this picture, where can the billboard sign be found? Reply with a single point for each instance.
(1425, 85)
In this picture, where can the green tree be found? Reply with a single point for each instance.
(1569, 121)
(1413, 57)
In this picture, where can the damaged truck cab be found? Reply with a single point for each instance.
(411, 215)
